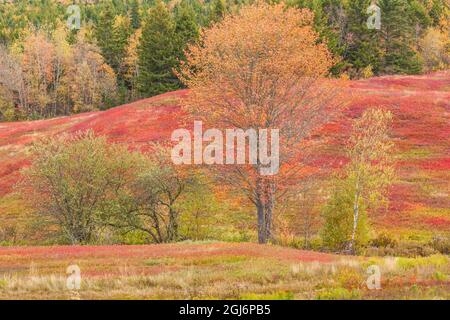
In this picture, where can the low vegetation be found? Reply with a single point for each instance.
(215, 271)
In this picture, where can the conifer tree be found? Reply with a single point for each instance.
(217, 10)
(157, 52)
(104, 31)
(362, 45)
(397, 35)
(187, 29)
(121, 32)
(134, 14)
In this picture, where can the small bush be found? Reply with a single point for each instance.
(135, 237)
(339, 294)
(401, 249)
(434, 261)
(8, 234)
(439, 276)
(350, 279)
(441, 244)
(271, 296)
(383, 240)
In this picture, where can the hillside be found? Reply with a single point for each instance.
(420, 200)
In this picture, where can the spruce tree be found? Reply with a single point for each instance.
(121, 31)
(134, 14)
(397, 37)
(363, 48)
(157, 52)
(218, 9)
(187, 28)
(104, 31)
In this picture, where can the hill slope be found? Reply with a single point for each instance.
(420, 201)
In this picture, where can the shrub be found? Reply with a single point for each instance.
(74, 180)
(413, 249)
(8, 234)
(434, 260)
(402, 249)
(439, 276)
(134, 237)
(349, 278)
(339, 294)
(383, 240)
(282, 295)
(441, 244)
(338, 216)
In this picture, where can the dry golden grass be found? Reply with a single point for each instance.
(214, 271)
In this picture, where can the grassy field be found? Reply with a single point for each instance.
(214, 271)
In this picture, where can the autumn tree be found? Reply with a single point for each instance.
(47, 76)
(13, 94)
(75, 179)
(153, 204)
(364, 183)
(130, 65)
(93, 82)
(435, 49)
(262, 68)
(38, 64)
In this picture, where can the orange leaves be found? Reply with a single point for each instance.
(252, 69)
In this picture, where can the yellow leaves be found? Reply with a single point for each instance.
(435, 49)
(131, 56)
(121, 22)
(370, 152)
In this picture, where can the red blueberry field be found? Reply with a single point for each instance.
(419, 207)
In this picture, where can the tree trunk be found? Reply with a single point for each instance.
(355, 222)
(269, 205)
(264, 209)
(261, 222)
(172, 231)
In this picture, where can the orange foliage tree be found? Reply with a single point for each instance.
(262, 68)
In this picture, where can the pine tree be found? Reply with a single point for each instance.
(362, 44)
(104, 31)
(187, 29)
(397, 35)
(330, 21)
(121, 31)
(217, 10)
(157, 52)
(134, 14)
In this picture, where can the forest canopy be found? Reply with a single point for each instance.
(65, 57)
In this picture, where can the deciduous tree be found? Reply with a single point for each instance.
(262, 68)
(365, 181)
(75, 179)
